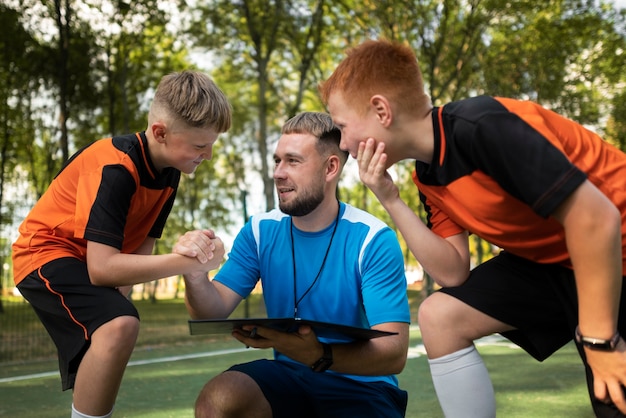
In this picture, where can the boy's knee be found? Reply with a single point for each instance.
(427, 312)
(441, 312)
(125, 326)
(119, 331)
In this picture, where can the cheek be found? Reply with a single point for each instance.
(189, 154)
(352, 140)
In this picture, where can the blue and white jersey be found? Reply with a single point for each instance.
(362, 282)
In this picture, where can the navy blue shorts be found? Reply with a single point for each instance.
(294, 390)
(71, 309)
(539, 300)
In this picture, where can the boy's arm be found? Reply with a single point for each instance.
(146, 249)
(109, 267)
(592, 227)
(445, 260)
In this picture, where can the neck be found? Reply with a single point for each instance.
(153, 151)
(414, 140)
(324, 215)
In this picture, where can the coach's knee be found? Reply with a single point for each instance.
(231, 394)
(218, 398)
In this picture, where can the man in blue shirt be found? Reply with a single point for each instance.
(317, 259)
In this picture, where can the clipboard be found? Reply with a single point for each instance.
(321, 329)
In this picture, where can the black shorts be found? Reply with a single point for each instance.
(71, 309)
(294, 390)
(539, 300)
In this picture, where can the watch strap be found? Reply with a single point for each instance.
(324, 362)
(597, 343)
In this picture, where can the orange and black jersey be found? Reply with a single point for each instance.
(502, 166)
(108, 192)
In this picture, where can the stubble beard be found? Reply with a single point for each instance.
(305, 204)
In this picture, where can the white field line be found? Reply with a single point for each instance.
(414, 352)
(491, 340)
(133, 363)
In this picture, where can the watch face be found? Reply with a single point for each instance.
(597, 343)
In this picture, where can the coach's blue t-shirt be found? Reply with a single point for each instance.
(362, 282)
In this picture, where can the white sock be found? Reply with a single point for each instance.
(76, 414)
(463, 385)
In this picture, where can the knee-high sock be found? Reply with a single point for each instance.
(463, 385)
(76, 414)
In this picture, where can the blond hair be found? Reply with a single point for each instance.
(193, 98)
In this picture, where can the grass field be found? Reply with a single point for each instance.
(165, 376)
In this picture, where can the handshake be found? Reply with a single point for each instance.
(204, 246)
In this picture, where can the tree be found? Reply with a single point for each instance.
(93, 65)
(108, 77)
(63, 64)
(266, 49)
(561, 53)
(18, 50)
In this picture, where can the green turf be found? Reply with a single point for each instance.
(524, 387)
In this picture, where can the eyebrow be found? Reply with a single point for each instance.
(290, 154)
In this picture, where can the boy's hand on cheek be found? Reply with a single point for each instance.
(372, 161)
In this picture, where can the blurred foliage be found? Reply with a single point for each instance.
(75, 71)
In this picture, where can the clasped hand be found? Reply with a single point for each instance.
(202, 245)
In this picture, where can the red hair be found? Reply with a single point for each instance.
(379, 67)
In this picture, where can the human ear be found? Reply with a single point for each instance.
(381, 107)
(158, 131)
(334, 165)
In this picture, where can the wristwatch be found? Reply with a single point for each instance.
(598, 343)
(325, 361)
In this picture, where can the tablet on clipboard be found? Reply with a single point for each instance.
(322, 329)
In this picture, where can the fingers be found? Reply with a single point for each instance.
(609, 375)
(611, 394)
(218, 248)
(365, 152)
(200, 244)
(360, 153)
(194, 244)
(368, 155)
(616, 394)
(305, 330)
(372, 163)
(600, 391)
(252, 336)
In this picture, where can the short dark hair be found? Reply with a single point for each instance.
(321, 126)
